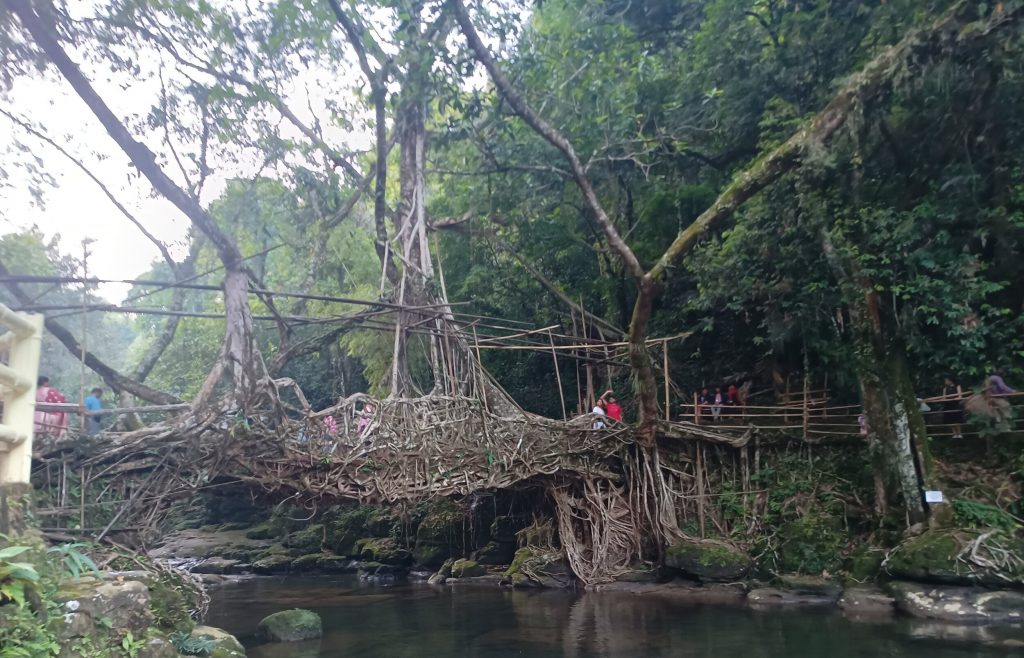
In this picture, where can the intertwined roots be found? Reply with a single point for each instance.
(440, 446)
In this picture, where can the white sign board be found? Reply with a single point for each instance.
(933, 497)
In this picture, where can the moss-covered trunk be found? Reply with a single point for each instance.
(895, 426)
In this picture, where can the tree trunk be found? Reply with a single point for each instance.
(43, 31)
(896, 429)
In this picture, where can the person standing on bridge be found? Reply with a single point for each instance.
(612, 406)
(92, 411)
(600, 412)
(716, 404)
(952, 406)
(54, 423)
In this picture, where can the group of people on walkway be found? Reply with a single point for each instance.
(991, 402)
(55, 423)
(719, 404)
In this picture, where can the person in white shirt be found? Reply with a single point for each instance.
(599, 424)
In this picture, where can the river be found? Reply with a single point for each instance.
(419, 620)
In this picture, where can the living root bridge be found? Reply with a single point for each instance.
(412, 448)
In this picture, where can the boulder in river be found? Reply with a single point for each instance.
(219, 643)
(273, 563)
(866, 600)
(293, 625)
(769, 596)
(966, 605)
(708, 560)
(466, 569)
(534, 567)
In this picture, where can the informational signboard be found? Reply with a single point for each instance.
(933, 497)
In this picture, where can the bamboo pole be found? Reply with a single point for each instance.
(668, 387)
(558, 375)
(699, 468)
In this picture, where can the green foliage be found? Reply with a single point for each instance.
(18, 580)
(972, 514)
(74, 560)
(189, 645)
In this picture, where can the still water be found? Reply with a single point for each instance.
(418, 620)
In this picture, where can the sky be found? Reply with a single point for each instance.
(74, 208)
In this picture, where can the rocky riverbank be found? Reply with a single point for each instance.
(948, 576)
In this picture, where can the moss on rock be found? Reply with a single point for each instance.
(441, 534)
(221, 643)
(708, 560)
(466, 569)
(385, 551)
(309, 562)
(272, 564)
(933, 556)
(293, 625)
(343, 527)
(533, 567)
(307, 540)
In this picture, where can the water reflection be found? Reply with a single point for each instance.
(481, 622)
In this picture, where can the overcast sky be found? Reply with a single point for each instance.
(75, 208)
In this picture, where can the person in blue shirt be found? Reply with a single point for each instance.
(93, 407)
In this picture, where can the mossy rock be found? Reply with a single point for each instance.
(285, 520)
(273, 564)
(337, 564)
(443, 523)
(533, 567)
(708, 560)
(222, 644)
(386, 551)
(233, 525)
(274, 550)
(343, 527)
(811, 585)
(309, 562)
(640, 573)
(262, 531)
(293, 625)
(495, 553)
(430, 555)
(379, 568)
(233, 552)
(467, 569)
(441, 534)
(932, 557)
(307, 540)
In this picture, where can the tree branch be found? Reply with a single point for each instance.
(552, 135)
(111, 377)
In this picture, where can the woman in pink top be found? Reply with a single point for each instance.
(54, 423)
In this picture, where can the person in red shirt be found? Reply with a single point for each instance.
(612, 407)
